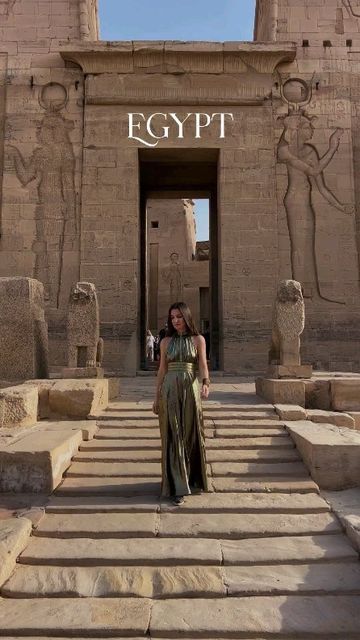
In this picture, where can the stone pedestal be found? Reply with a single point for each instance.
(286, 391)
(279, 371)
(83, 372)
(23, 330)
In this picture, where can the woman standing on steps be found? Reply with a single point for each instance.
(178, 404)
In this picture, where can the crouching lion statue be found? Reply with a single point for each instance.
(85, 347)
(288, 324)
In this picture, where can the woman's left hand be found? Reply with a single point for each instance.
(205, 391)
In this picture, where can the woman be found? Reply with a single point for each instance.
(178, 405)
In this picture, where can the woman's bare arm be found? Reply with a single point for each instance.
(161, 373)
(203, 368)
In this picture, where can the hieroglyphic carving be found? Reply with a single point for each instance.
(305, 170)
(173, 277)
(89, 20)
(8, 7)
(288, 324)
(350, 7)
(52, 165)
(3, 68)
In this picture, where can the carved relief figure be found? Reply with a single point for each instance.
(288, 324)
(305, 174)
(52, 165)
(350, 7)
(85, 347)
(173, 277)
(9, 6)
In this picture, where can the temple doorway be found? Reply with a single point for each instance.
(179, 243)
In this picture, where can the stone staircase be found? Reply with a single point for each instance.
(261, 557)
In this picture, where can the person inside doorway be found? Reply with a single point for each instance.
(150, 340)
(178, 405)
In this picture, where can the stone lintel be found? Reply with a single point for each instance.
(128, 56)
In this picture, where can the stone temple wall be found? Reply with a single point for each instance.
(41, 186)
(316, 119)
(288, 180)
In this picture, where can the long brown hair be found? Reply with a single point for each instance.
(186, 314)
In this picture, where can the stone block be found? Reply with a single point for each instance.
(114, 388)
(82, 372)
(18, 406)
(35, 463)
(78, 398)
(289, 371)
(88, 427)
(356, 417)
(332, 454)
(43, 388)
(23, 330)
(281, 391)
(346, 506)
(317, 394)
(345, 394)
(14, 537)
(331, 417)
(290, 412)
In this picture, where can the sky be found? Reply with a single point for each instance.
(217, 20)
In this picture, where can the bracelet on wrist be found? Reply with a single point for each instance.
(206, 382)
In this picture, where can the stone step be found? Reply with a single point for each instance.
(114, 469)
(237, 417)
(245, 525)
(109, 487)
(67, 617)
(288, 550)
(248, 422)
(236, 469)
(94, 525)
(264, 484)
(183, 552)
(117, 582)
(236, 407)
(106, 504)
(128, 434)
(253, 455)
(203, 503)
(249, 442)
(287, 617)
(294, 616)
(113, 455)
(178, 525)
(285, 579)
(144, 423)
(120, 444)
(184, 582)
(152, 469)
(232, 455)
(251, 432)
(119, 552)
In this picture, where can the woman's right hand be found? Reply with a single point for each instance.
(155, 407)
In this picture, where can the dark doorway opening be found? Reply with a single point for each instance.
(174, 183)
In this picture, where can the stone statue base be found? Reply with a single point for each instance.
(83, 372)
(285, 391)
(289, 371)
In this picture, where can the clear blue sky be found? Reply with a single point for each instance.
(178, 20)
